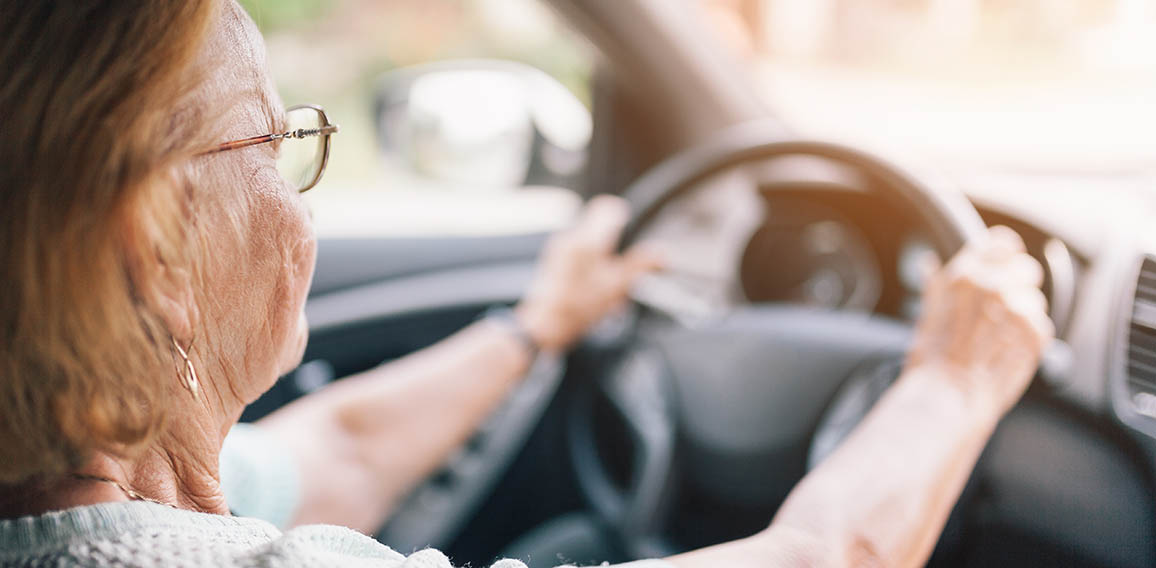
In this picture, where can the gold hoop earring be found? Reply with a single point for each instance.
(189, 378)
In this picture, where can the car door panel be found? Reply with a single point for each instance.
(347, 262)
(377, 299)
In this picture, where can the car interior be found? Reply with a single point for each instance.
(686, 419)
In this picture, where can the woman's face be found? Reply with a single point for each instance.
(257, 247)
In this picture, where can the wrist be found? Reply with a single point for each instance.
(508, 320)
(540, 326)
(958, 386)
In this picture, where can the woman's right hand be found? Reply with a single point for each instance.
(984, 324)
(580, 278)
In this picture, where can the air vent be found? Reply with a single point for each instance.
(1142, 342)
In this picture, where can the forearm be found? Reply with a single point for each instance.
(886, 493)
(365, 441)
(778, 547)
(883, 497)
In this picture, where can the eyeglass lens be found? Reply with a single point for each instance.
(300, 159)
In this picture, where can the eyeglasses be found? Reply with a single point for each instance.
(304, 150)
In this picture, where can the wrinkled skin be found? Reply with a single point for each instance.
(240, 308)
(986, 320)
(882, 497)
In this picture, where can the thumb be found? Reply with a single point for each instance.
(641, 260)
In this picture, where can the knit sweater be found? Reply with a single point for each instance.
(147, 535)
(262, 486)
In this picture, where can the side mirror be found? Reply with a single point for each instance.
(483, 123)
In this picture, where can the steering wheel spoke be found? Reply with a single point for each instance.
(638, 391)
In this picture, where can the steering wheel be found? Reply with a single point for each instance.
(730, 408)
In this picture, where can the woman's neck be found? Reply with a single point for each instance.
(41, 496)
(179, 468)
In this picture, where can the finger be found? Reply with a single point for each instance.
(1007, 238)
(602, 222)
(634, 264)
(1031, 307)
(932, 318)
(996, 247)
(1046, 329)
(976, 269)
(1001, 243)
(646, 257)
(1020, 270)
(966, 297)
(1042, 329)
(1024, 301)
(971, 260)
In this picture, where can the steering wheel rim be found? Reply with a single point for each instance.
(949, 217)
(634, 512)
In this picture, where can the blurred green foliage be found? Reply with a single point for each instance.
(273, 15)
(334, 53)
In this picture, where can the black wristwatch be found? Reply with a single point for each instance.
(504, 315)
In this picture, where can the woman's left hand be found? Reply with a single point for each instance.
(580, 278)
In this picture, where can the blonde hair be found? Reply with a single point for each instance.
(92, 151)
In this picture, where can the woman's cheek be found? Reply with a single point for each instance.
(300, 279)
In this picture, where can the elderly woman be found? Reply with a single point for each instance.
(154, 277)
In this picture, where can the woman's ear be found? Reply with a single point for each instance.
(170, 296)
(163, 287)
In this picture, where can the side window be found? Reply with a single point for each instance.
(458, 117)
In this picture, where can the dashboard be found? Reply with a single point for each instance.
(830, 243)
(841, 249)
(812, 254)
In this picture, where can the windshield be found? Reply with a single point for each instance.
(340, 53)
(1052, 85)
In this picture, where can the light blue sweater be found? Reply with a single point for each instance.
(146, 535)
(259, 479)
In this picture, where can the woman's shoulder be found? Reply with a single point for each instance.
(146, 535)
